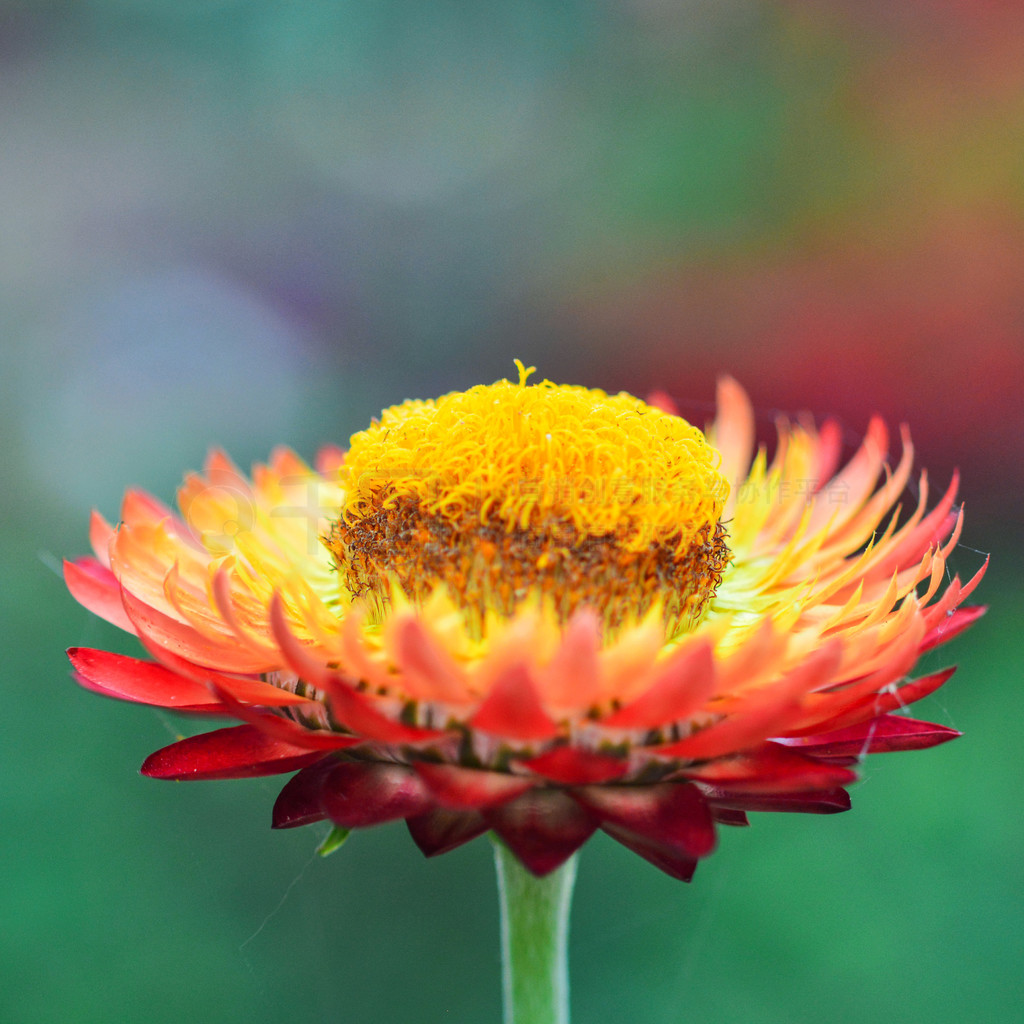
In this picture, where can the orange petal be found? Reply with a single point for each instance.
(428, 671)
(159, 631)
(679, 687)
(733, 435)
(100, 535)
(572, 678)
(512, 709)
(761, 715)
(96, 588)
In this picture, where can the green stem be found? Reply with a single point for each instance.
(534, 936)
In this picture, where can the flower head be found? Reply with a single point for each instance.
(537, 610)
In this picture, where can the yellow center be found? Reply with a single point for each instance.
(509, 490)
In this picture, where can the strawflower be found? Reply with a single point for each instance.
(538, 611)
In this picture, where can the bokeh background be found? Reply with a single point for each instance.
(253, 222)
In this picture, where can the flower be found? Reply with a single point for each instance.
(537, 610)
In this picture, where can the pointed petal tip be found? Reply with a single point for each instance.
(442, 830)
(671, 815)
(358, 794)
(728, 383)
(664, 401)
(677, 690)
(139, 682)
(238, 752)
(881, 734)
(512, 709)
(543, 828)
(817, 802)
(298, 803)
(97, 590)
(674, 862)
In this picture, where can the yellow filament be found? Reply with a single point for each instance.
(523, 457)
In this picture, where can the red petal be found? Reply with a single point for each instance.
(543, 828)
(771, 768)
(874, 705)
(913, 691)
(829, 801)
(354, 710)
(299, 802)
(285, 729)
(460, 788)
(935, 615)
(240, 752)
(356, 794)
(761, 716)
(255, 691)
(728, 816)
(512, 709)
(955, 623)
(441, 830)
(681, 686)
(574, 767)
(242, 688)
(672, 861)
(95, 587)
(877, 736)
(672, 814)
(143, 682)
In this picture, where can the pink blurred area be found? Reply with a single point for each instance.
(972, 47)
(929, 332)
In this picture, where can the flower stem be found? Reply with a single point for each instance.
(534, 936)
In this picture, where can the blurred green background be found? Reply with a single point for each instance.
(252, 223)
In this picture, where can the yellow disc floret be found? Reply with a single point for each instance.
(533, 486)
(518, 455)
